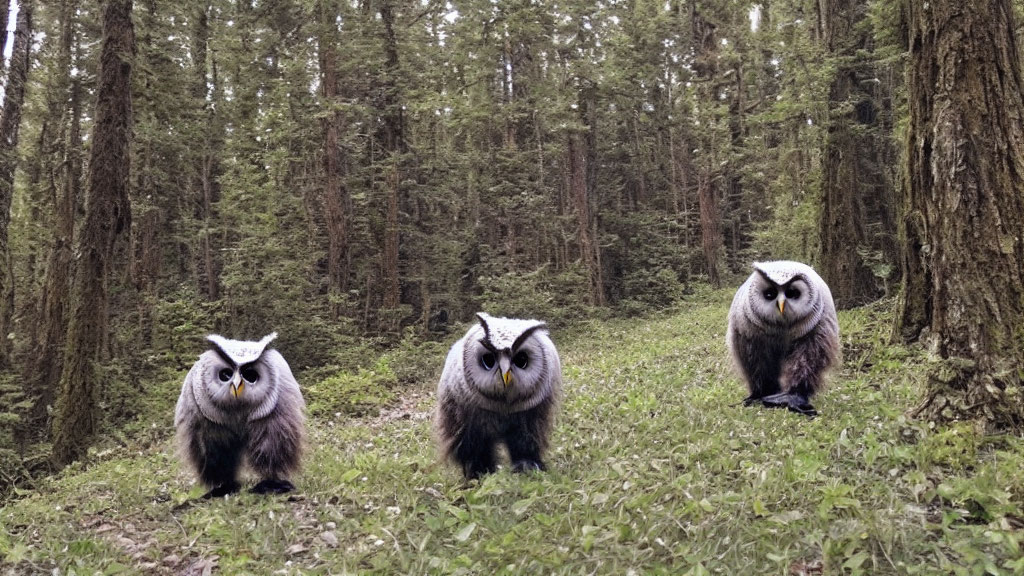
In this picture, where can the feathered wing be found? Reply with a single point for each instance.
(212, 451)
(185, 415)
(449, 420)
(277, 439)
(186, 409)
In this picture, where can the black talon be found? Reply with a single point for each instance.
(222, 490)
(528, 466)
(751, 400)
(806, 409)
(794, 402)
(271, 486)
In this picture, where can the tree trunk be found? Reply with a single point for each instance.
(107, 213)
(394, 143)
(577, 165)
(10, 122)
(335, 194)
(705, 46)
(65, 177)
(208, 157)
(710, 233)
(965, 160)
(856, 196)
(5, 15)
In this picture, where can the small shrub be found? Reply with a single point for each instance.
(352, 393)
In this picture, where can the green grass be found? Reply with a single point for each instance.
(654, 470)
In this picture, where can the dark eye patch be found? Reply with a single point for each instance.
(487, 360)
(521, 360)
(770, 293)
(225, 374)
(792, 293)
(250, 374)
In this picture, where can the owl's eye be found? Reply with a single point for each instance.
(770, 293)
(521, 360)
(487, 360)
(249, 374)
(225, 374)
(792, 293)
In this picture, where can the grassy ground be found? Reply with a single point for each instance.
(654, 470)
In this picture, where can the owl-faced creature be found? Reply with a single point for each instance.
(783, 334)
(501, 384)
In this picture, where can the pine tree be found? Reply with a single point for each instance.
(107, 214)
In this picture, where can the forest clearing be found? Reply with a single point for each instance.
(309, 201)
(654, 469)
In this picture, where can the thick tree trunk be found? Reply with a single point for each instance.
(335, 194)
(965, 158)
(107, 213)
(65, 177)
(856, 197)
(10, 122)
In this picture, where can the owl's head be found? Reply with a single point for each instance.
(782, 293)
(505, 359)
(237, 373)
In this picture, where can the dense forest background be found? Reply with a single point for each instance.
(365, 175)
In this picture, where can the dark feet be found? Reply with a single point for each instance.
(222, 490)
(794, 402)
(474, 470)
(528, 466)
(271, 486)
(751, 400)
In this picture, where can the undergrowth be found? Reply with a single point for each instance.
(654, 470)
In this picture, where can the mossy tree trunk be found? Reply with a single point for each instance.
(334, 194)
(856, 221)
(10, 122)
(64, 175)
(107, 214)
(965, 160)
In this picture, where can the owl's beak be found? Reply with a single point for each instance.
(782, 306)
(237, 386)
(504, 364)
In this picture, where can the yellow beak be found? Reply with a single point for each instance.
(507, 377)
(782, 306)
(237, 388)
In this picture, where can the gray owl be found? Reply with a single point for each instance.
(240, 405)
(783, 334)
(501, 384)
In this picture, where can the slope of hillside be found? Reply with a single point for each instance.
(655, 469)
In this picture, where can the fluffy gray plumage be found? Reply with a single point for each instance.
(783, 334)
(240, 405)
(501, 385)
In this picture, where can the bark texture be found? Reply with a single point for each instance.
(10, 121)
(107, 214)
(393, 138)
(857, 220)
(965, 176)
(65, 179)
(335, 194)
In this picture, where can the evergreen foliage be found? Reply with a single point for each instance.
(365, 176)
